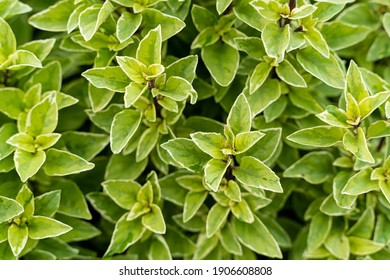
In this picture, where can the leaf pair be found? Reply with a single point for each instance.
(222, 149)
(144, 213)
(11, 58)
(22, 220)
(359, 105)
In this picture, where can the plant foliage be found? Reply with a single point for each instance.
(194, 129)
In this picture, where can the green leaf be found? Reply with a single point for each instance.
(317, 41)
(40, 48)
(259, 75)
(184, 67)
(3, 232)
(242, 211)
(289, 74)
(385, 188)
(223, 73)
(253, 46)
(210, 143)
(145, 194)
(154, 220)
(305, 100)
(320, 227)
(178, 89)
(40, 227)
(72, 202)
(122, 192)
(123, 127)
(47, 204)
(206, 37)
(91, 18)
(276, 40)
(7, 164)
(202, 17)
(58, 248)
(63, 100)
(337, 243)
(43, 117)
(302, 11)
(370, 103)
(191, 182)
(364, 227)
(127, 25)
(55, 18)
(245, 140)
(239, 119)
(125, 234)
(146, 143)
(277, 231)
(362, 247)
(134, 69)
(222, 5)
(378, 129)
(6, 131)
(159, 249)
(149, 49)
(330, 207)
(17, 238)
(386, 23)
(20, 59)
(355, 84)
(216, 218)
(117, 167)
(382, 234)
(214, 171)
(357, 145)
(360, 183)
(314, 167)
(229, 241)
(133, 92)
(50, 77)
(170, 25)
(319, 136)
(257, 237)
(342, 200)
(268, 93)
(85, 144)
(112, 78)
(60, 163)
(276, 109)
(327, 70)
(7, 41)
(233, 191)
(338, 117)
(8, 8)
(11, 102)
(81, 230)
(253, 172)
(99, 97)
(26, 198)
(186, 154)
(45, 141)
(192, 203)
(104, 205)
(179, 244)
(379, 49)
(326, 11)
(9, 209)
(340, 35)
(204, 246)
(27, 164)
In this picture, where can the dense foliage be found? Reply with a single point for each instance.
(203, 129)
